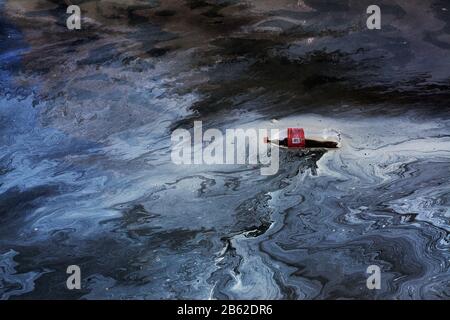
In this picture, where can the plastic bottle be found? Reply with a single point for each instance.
(304, 138)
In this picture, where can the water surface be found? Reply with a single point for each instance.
(86, 176)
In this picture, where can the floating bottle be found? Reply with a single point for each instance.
(305, 139)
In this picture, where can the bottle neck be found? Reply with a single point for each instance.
(283, 142)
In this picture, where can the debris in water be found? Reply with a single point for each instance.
(296, 138)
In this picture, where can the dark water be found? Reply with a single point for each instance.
(85, 170)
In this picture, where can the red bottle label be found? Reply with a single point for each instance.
(296, 138)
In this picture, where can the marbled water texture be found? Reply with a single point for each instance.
(86, 176)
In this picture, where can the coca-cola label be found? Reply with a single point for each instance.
(296, 138)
